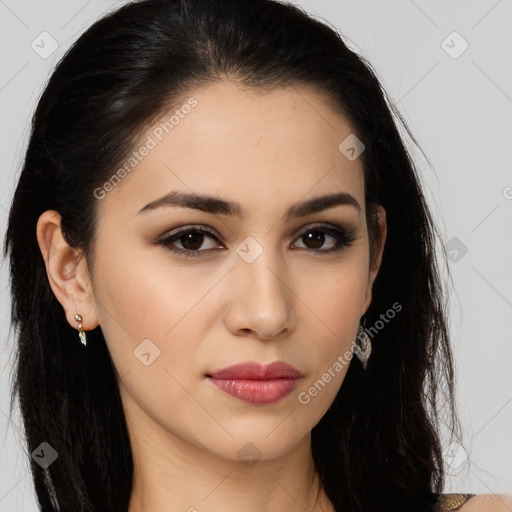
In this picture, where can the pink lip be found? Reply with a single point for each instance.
(255, 383)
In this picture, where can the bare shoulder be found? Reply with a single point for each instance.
(488, 503)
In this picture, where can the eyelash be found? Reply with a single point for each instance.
(342, 237)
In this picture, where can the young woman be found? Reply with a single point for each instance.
(216, 198)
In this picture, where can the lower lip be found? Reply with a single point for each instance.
(256, 391)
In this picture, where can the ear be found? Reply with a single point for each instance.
(67, 272)
(374, 269)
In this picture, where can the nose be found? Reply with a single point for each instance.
(262, 300)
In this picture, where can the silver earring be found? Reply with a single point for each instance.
(362, 346)
(81, 332)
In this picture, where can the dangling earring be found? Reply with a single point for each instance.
(362, 345)
(81, 332)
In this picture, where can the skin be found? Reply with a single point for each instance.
(293, 303)
(488, 503)
(209, 312)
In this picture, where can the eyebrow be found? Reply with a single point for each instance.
(216, 205)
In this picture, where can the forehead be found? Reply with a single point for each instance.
(230, 141)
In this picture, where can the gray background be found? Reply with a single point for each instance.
(459, 107)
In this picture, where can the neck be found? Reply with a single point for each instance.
(171, 474)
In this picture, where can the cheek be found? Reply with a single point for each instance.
(331, 321)
(138, 300)
(149, 321)
(329, 357)
(335, 294)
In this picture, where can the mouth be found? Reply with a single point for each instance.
(255, 383)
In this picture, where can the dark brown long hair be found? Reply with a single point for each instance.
(378, 446)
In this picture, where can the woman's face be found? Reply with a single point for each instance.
(257, 287)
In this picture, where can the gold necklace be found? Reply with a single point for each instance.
(452, 501)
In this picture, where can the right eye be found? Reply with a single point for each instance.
(191, 239)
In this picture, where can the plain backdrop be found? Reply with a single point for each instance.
(447, 65)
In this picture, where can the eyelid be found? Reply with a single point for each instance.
(190, 227)
(347, 230)
(344, 236)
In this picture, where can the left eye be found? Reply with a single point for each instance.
(191, 239)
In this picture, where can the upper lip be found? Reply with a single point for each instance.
(255, 371)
